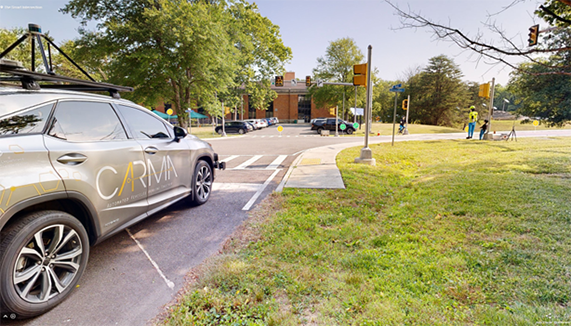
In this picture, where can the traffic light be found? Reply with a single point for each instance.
(360, 72)
(405, 104)
(279, 81)
(332, 111)
(533, 35)
(307, 81)
(484, 90)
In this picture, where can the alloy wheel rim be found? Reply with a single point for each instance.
(48, 263)
(203, 182)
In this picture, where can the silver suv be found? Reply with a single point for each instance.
(75, 169)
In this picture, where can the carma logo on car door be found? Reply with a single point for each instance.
(167, 167)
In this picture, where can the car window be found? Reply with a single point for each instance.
(26, 122)
(143, 125)
(77, 121)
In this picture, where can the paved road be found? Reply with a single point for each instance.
(122, 287)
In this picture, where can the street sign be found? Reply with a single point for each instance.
(280, 128)
(535, 123)
(293, 82)
(169, 112)
(320, 83)
(398, 90)
(356, 125)
(357, 111)
(342, 126)
(397, 86)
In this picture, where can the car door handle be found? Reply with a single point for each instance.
(151, 150)
(72, 159)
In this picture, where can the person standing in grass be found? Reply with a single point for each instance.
(472, 119)
(483, 129)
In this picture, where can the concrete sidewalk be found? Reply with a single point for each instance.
(316, 168)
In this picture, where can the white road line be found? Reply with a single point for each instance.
(248, 162)
(229, 158)
(257, 194)
(241, 187)
(169, 283)
(276, 163)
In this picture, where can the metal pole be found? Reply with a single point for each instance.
(355, 115)
(491, 111)
(394, 119)
(336, 121)
(366, 153)
(405, 132)
(343, 114)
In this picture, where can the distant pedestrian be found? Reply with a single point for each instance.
(472, 119)
(483, 129)
(401, 125)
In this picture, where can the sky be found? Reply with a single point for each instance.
(308, 27)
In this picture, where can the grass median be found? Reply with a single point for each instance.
(438, 233)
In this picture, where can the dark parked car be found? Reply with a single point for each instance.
(240, 127)
(329, 124)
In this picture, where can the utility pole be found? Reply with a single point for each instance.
(336, 121)
(366, 153)
(491, 110)
(405, 132)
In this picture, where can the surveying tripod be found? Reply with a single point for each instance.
(512, 133)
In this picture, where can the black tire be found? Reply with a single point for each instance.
(319, 130)
(28, 271)
(219, 131)
(241, 131)
(350, 131)
(201, 183)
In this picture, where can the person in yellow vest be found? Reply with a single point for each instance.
(472, 119)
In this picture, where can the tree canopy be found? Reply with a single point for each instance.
(187, 52)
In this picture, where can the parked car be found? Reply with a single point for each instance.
(262, 123)
(257, 123)
(316, 119)
(78, 168)
(329, 124)
(240, 127)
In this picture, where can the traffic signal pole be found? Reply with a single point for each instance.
(405, 132)
(366, 153)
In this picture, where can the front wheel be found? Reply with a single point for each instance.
(42, 257)
(202, 183)
(349, 131)
(319, 130)
(241, 131)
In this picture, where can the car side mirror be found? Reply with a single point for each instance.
(179, 133)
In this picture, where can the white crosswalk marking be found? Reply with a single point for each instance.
(276, 163)
(248, 162)
(229, 158)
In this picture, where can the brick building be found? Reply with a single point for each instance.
(293, 104)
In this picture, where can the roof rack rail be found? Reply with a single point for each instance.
(30, 79)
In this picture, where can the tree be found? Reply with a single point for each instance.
(437, 93)
(262, 54)
(503, 49)
(163, 48)
(545, 97)
(188, 52)
(336, 66)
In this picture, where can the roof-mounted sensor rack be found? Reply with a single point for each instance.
(30, 79)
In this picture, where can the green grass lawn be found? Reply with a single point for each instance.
(437, 233)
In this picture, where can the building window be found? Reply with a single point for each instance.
(270, 110)
(304, 107)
